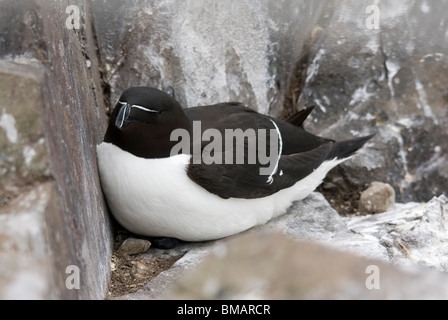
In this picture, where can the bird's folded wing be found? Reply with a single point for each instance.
(245, 180)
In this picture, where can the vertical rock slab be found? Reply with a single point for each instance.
(52, 210)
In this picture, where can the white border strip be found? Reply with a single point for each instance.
(270, 178)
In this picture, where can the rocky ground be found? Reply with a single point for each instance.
(410, 236)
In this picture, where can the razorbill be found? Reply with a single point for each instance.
(159, 185)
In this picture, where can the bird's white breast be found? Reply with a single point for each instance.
(155, 197)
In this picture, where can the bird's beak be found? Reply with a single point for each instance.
(123, 115)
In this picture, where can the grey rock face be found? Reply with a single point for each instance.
(390, 80)
(403, 235)
(411, 234)
(208, 51)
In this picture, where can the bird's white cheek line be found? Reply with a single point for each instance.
(138, 107)
(143, 108)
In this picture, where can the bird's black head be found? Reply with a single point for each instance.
(142, 122)
(144, 105)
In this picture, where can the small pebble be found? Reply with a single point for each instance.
(132, 246)
(378, 198)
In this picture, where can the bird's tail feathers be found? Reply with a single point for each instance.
(347, 148)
